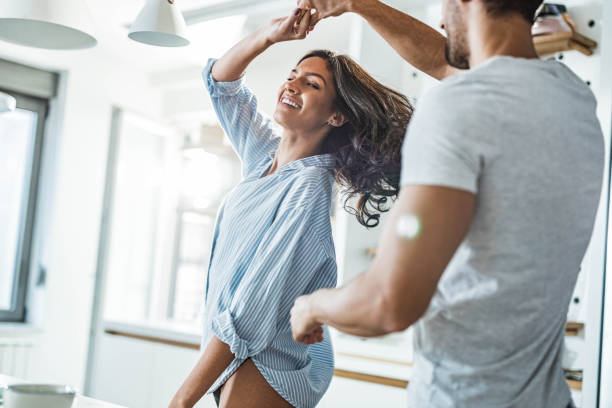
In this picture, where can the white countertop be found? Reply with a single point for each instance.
(167, 330)
(388, 356)
(79, 402)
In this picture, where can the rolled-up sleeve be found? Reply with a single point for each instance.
(223, 327)
(285, 266)
(252, 134)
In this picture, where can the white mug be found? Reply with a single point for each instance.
(38, 396)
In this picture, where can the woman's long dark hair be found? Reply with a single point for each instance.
(368, 146)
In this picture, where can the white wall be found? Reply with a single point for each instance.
(605, 105)
(70, 204)
(596, 70)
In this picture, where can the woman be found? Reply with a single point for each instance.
(273, 241)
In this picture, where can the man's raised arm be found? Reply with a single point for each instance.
(416, 42)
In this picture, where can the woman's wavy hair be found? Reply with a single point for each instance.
(368, 146)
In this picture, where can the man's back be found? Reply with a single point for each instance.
(523, 136)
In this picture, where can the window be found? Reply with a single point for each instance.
(194, 238)
(205, 179)
(161, 200)
(21, 142)
(138, 166)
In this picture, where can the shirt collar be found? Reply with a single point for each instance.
(326, 161)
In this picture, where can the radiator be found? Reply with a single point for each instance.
(15, 357)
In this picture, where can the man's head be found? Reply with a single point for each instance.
(524, 8)
(455, 21)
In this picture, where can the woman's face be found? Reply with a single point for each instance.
(306, 99)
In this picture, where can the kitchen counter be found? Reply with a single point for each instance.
(386, 360)
(79, 402)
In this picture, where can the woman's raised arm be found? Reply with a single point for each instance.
(233, 63)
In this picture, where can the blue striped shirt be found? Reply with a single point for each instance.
(272, 243)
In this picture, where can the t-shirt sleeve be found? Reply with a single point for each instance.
(442, 147)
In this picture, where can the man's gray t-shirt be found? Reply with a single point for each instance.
(523, 136)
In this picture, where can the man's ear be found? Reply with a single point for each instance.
(337, 120)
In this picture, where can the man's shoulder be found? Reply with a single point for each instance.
(456, 100)
(456, 90)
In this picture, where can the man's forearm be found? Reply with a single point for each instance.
(356, 308)
(213, 361)
(416, 42)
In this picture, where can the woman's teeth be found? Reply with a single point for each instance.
(290, 103)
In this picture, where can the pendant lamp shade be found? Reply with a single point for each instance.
(7, 103)
(160, 23)
(52, 24)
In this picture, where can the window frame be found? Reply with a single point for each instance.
(177, 259)
(18, 311)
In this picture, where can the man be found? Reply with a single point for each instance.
(501, 178)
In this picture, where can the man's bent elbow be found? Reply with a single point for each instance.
(396, 315)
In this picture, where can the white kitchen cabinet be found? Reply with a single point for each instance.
(347, 393)
(141, 374)
(135, 367)
(124, 372)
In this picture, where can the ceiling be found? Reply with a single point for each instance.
(213, 27)
(124, 11)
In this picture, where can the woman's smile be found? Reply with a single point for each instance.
(291, 102)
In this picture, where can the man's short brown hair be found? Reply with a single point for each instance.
(526, 8)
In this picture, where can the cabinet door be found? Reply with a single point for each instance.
(347, 393)
(171, 366)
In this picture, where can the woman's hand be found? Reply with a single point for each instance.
(233, 63)
(327, 8)
(295, 27)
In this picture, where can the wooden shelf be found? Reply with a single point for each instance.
(398, 383)
(559, 42)
(388, 381)
(574, 384)
(153, 339)
(572, 328)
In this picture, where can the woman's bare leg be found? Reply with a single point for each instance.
(247, 388)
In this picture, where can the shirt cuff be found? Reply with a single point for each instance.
(216, 88)
(223, 327)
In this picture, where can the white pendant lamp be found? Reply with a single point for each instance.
(7, 103)
(52, 24)
(160, 23)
